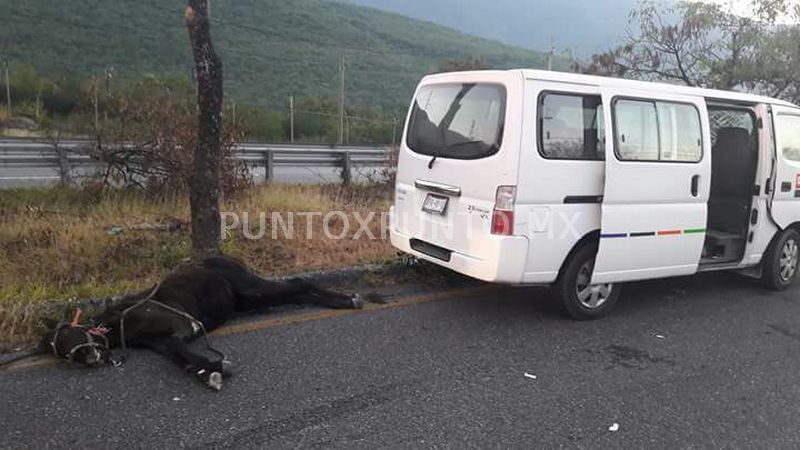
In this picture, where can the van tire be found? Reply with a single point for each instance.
(775, 274)
(566, 287)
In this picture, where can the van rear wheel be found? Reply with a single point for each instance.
(780, 267)
(580, 299)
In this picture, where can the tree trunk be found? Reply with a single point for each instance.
(205, 185)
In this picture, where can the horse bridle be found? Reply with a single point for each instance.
(100, 345)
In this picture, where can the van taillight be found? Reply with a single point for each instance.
(503, 214)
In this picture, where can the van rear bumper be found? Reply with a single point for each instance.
(502, 258)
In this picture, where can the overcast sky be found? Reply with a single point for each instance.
(744, 7)
(741, 7)
(583, 27)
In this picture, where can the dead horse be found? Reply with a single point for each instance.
(188, 302)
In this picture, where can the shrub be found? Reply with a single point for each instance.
(150, 141)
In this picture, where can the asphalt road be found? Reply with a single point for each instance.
(706, 361)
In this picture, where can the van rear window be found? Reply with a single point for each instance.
(459, 121)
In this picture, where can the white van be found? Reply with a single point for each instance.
(582, 182)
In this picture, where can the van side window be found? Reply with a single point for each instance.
(571, 126)
(657, 131)
(789, 131)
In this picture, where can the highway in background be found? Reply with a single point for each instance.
(25, 163)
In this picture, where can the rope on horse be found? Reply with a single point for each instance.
(187, 316)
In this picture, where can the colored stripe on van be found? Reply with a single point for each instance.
(635, 234)
(694, 231)
(614, 235)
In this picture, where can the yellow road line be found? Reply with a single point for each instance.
(34, 362)
(330, 313)
(44, 361)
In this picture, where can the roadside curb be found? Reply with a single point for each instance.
(343, 275)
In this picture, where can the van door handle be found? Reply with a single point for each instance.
(695, 185)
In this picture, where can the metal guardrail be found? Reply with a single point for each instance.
(39, 154)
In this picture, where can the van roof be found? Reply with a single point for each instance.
(592, 80)
(650, 86)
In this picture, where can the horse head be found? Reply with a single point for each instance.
(82, 344)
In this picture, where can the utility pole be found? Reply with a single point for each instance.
(394, 133)
(342, 72)
(291, 119)
(109, 77)
(96, 110)
(551, 54)
(195, 85)
(233, 112)
(8, 90)
(38, 97)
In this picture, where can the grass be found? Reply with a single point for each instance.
(60, 245)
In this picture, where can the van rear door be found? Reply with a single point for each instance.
(461, 143)
(657, 185)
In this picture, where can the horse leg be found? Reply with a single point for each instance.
(207, 371)
(304, 292)
(177, 349)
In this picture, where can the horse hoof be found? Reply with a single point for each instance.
(226, 368)
(215, 381)
(357, 302)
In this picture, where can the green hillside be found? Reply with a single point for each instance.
(271, 48)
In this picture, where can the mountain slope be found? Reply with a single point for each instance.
(271, 48)
(585, 25)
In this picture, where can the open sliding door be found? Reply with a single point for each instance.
(657, 184)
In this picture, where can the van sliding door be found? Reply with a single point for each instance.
(657, 184)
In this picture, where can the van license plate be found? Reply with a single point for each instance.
(435, 204)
